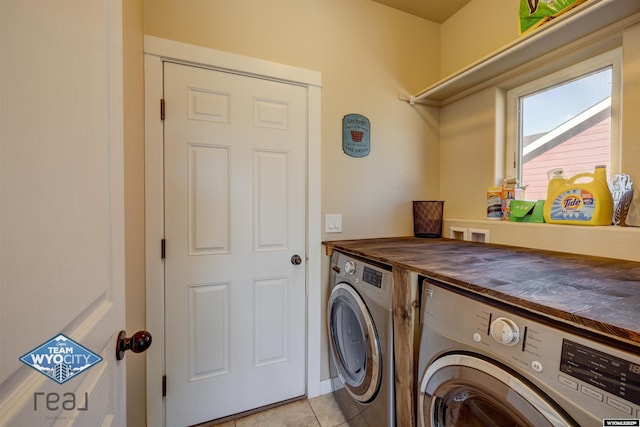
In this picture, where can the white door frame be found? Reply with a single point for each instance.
(156, 52)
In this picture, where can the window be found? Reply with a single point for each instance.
(565, 120)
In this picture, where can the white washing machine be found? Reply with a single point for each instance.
(360, 323)
(483, 363)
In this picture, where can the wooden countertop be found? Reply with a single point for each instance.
(599, 294)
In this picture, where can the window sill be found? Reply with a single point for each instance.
(604, 241)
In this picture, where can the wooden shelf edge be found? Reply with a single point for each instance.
(576, 24)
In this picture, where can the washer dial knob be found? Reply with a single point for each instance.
(349, 267)
(505, 331)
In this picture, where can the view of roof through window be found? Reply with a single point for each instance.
(566, 126)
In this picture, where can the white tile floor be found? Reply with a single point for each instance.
(321, 411)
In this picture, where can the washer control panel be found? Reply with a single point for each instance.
(578, 371)
(505, 331)
(601, 370)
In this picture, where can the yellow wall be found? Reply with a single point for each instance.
(367, 54)
(630, 113)
(467, 155)
(478, 29)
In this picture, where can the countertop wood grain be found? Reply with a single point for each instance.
(597, 294)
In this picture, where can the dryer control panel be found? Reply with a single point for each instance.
(371, 278)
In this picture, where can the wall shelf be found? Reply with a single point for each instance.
(582, 24)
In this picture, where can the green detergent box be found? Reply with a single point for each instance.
(527, 211)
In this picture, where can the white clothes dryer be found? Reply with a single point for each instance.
(485, 363)
(360, 324)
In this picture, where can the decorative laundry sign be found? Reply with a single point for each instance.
(356, 134)
(60, 359)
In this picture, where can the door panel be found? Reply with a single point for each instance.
(209, 228)
(209, 347)
(61, 209)
(271, 197)
(270, 321)
(235, 150)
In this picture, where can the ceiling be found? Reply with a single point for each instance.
(433, 10)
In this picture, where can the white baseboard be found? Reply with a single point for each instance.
(326, 386)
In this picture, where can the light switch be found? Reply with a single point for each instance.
(333, 223)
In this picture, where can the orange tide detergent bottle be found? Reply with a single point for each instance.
(579, 202)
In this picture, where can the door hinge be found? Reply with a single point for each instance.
(162, 109)
(163, 248)
(164, 385)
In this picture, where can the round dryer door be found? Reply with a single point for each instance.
(354, 343)
(464, 390)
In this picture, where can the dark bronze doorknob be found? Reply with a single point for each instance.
(296, 260)
(139, 342)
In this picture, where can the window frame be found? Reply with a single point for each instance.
(613, 59)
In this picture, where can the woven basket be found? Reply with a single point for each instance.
(427, 218)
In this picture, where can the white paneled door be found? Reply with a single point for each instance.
(61, 213)
(235, 155)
